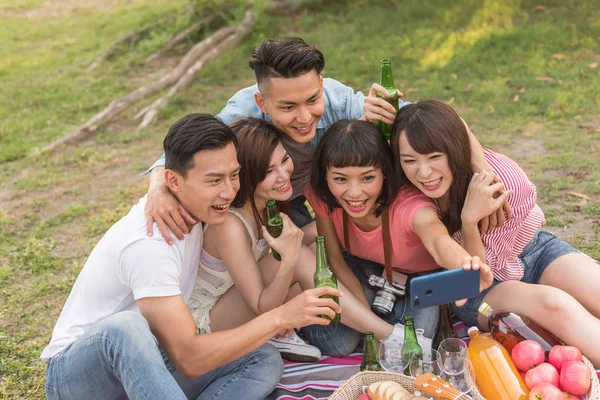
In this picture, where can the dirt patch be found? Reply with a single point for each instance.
(58, 8)
(582, 230)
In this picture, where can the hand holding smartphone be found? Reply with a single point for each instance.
(443, 287)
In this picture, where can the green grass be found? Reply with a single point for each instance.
(477, 54)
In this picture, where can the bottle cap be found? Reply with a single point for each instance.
(472, 329)
(482, 307)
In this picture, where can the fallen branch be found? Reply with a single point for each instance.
(125, 39)
(181, 37)
(116, 107)
(241, 30)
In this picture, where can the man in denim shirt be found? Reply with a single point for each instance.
(292, 95)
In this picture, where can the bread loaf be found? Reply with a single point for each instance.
(388, 390)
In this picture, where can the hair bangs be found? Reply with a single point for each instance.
(352, 152)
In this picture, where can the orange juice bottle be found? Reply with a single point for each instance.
(495, 373)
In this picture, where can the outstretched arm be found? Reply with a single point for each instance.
(445, 250)
(194, 355)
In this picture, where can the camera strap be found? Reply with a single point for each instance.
(387, 241)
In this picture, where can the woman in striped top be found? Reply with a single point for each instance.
(536, 274)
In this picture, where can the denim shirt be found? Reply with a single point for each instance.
(340, 103)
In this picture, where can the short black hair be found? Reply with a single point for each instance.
(353, 143)
(288, 57)
(191, 134)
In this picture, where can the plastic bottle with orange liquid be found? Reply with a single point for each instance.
(495, 373)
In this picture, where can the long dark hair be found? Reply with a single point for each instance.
(353, 143)
(432, 126)
(257, 140)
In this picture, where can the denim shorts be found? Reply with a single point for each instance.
(340, 340)
(544, 248)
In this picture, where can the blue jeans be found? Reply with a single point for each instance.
(119, 358)
(543, 248)
(340, 340)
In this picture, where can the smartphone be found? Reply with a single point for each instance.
(443, 287)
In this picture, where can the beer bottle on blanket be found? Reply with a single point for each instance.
(369, 362)
(324, 276)
(411, 344)
(274, 224)
(387, 81)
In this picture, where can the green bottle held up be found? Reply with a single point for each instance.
(387, 81)
(369, 362)
(274, 224)
(324, 276)
(411, 344)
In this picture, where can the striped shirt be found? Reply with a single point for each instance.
(504, 244)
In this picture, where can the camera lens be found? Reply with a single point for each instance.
(383, 303)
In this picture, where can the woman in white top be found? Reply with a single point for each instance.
(238, 278)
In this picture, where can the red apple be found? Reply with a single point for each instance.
(527, 354)
(575, 377)
(559, 355)
(571, 396)
(522, 375)
(543, 373)
(545, 391)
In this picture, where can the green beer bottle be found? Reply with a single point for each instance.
(324, 276)
(387, 81)
(411, 344)
(274, 224)
(369, 362)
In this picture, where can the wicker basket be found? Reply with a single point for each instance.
(353, 387)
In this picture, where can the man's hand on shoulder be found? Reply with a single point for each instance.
(162, 207)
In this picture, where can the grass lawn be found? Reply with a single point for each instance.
(524, 74)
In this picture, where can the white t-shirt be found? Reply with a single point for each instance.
(126, 265)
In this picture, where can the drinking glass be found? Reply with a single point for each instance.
(391, 359)
(431, 362)
(453, 347)
(459, 372)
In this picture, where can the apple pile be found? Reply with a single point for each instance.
(563, 376)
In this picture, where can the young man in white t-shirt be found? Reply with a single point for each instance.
(125, 330)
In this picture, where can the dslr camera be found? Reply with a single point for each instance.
(386, 296)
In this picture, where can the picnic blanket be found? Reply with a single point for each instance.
(312, 381)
